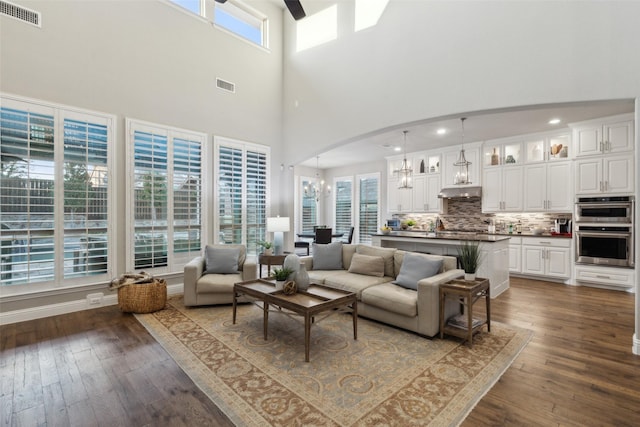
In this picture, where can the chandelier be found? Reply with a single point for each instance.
(317, 188)
(405, 172)
(462, 176)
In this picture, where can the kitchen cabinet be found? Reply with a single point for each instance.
(515, 255)
(548, 187)
(547, 147)
(547, 257)
(604, 136)
(502, 189)
(399, 200)
(423, 196)
(608, 174)
(449, 171)
(496, 153)
(606, 277)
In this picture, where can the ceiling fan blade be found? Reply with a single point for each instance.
(295, 7)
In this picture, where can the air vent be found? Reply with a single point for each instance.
(20, 13)
(225, 85)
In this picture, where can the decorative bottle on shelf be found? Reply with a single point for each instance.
(302, 278)
(495, 157)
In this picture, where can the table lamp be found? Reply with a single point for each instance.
(278, 226)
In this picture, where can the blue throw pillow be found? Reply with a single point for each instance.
(416, 267)
(327, 257)
(221, 260)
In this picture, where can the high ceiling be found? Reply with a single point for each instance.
(479, 126)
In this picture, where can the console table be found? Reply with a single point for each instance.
(467, 293)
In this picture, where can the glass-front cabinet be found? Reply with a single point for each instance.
(505, 153)
(548, 148)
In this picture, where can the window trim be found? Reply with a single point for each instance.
(252, 13)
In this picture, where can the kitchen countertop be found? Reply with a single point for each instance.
(468, 235)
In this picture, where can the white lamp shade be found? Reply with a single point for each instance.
(278, 224)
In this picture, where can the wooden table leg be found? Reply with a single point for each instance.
(487, 297)
(470, 319)
(235, 303)
(307, 336)
(441, 314)
(265, 309)
(354, 312)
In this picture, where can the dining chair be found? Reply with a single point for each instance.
(323, 235)
(349, 238)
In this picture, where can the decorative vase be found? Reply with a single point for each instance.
(292, 262)
(302, 278)
(280, 284)
(268, 251)
(495, 157)
(469, 276)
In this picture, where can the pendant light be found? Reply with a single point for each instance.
(317, 188)
(405, 172)
(462, 175)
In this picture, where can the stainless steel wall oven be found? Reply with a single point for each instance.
(604, 231)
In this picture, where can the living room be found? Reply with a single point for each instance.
(153, 63)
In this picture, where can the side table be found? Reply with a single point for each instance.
(270, 260)
(466, 292)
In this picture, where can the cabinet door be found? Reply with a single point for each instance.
(532, 260)
(419, 202)
(618, 136)
(492, 190)
(535, 184)
(515, 258)
(398, 200)
(618, 174)
(433, 189)
(450, 171)
(587, 140)
(558, 262)
(559, 187)
(589, 176)
(512, 189)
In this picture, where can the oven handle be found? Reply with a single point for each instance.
(608, 205)
(602, 234)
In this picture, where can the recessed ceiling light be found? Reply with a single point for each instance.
(397, 148)
(441, 131)
(554, 121)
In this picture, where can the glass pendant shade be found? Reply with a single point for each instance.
(405, 173)
(462, 175)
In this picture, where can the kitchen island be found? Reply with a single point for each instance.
(494, 249)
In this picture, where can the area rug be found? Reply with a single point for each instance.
(386, 377)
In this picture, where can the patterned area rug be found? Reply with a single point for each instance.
(386, 377)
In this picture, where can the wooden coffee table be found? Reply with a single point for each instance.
(308, 304)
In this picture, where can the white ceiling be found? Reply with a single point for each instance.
(479, 126)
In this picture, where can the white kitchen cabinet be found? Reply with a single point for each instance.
(546, 257)
(502, 152)
(399, 200)
(609, 174)
(433, 187)
(449, 171)
(419, 194)
(604, 136)
(515, 255)
(605, 277)
(502, 189)
(548, 187)
(546, 147)
(425, 182)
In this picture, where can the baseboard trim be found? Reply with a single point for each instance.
(636, 345)
(67, 307)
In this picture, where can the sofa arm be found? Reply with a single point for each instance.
(249, 271)
(192, 272)
(308, 262)
(429, 301)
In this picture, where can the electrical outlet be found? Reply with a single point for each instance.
(95, 299)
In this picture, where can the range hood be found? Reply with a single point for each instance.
(460, 192)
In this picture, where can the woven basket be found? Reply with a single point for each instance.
(143, 297)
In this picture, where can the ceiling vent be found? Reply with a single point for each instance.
(20, 13)
(225, 85)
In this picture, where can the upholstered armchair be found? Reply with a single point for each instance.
(209, 279)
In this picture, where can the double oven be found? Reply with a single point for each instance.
(604, 228)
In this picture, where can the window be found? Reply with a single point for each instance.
(242, 21)
(241, 182)
(194, 6)
(165, 200)
(54, 194)
(368, 209)
(343, 205)
(309, 212)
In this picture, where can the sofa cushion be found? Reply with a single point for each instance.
(448, 263)
(351, 282)
(394, 298)
(327, 256)
(221, 260)
(385, 253)
(415, 267)
(369, 265)
(217, 283)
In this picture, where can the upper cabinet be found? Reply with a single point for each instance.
(609, 135)
(425, 183)
(548, 147)
(451, 174)
(502, 153)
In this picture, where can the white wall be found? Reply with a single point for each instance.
(428, 59)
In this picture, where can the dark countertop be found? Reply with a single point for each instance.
(481, 237)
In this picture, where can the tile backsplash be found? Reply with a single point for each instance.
(466, 215)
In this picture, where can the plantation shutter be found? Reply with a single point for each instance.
(230, 194)
(309, 209)
(343, 206)
(187, 196)
(368, 209)
(256, 199)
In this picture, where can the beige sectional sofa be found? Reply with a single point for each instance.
(379, 298)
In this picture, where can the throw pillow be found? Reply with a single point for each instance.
(369, 265)
(221, 260)
(386, 253)
(327, 256)
(415, 268)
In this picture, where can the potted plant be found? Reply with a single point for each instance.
(268, 247)
(469, 253)
(411, 223)
(281, 275)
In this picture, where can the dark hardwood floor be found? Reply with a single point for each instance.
(101, 367)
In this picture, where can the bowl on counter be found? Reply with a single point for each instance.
(537, 231)
(385, 230)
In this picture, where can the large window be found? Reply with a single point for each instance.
(242, 21)
(309, 207)
(368, 207)
(343, 205)
(241, 195)
(165, 200)
(54, 194)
